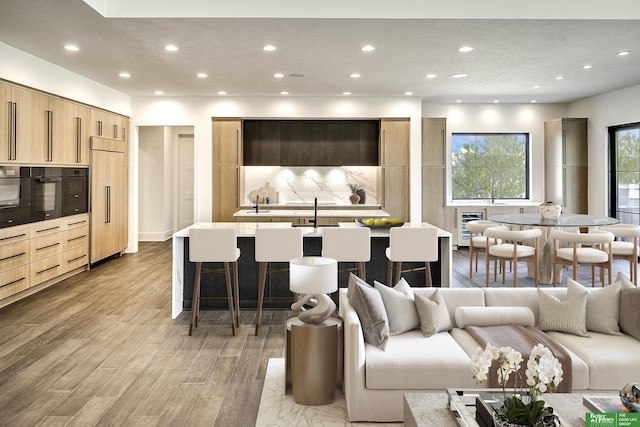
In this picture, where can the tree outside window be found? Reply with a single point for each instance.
(490, 166)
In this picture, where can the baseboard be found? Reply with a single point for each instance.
(157, 236)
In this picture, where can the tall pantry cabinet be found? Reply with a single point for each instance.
(227, 161)
(394, 162)
(566, 164)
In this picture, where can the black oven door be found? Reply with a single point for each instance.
(14, 196)
(75, 191)
(46, 193)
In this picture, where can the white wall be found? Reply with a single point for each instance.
(20, 67)
(611, 109)
(527, 118)
(197, 112)
(151, 200)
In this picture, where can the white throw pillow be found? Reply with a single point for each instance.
(399, 305)
(494, 316)
(433, 313)
(568, 316)
(624, 281)
(602, 306)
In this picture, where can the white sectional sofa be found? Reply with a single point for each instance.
(375, 379)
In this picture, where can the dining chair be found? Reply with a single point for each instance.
(348, 245)
(411, 244)
(514, 246)
(274, 245)
(625, 245)
(477, 241)
(582, 249)
(215, 245)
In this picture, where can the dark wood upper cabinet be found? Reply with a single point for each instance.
(310, 142)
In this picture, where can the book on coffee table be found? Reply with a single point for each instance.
(604, 404)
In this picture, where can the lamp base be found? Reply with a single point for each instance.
(323, 308)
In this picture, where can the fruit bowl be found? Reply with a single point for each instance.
(362, 222)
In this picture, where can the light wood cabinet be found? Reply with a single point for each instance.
(434, 171)
(566, 164)
(14, 260)
(74, 122)
(227, 161)
(108, 199)
(394, 149)
(22, 120)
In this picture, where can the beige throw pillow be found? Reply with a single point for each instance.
(563, 316)
(630, 312)
(367, 302)
(433, 313)
(399, 305)
(602, 306)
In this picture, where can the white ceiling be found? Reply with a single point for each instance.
(509, 56)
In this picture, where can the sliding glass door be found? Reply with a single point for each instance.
(624, 170)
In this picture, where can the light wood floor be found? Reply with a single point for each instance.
(101, 349)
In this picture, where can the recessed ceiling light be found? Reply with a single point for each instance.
(278, 75)
(269, 48)
(623, 53)
(221, 92)
(537, 86)
(587, 66)
(201, 75)
(559, 77)
(408, 93)
(458, 101)
(533, 101)
(459, 75)
(346, 93)
(367, 48)
(171, 47)
(355, 75)
(431, 76)
(465, 49)
(495, 101)
(159, 92)
(284, 92)
(72, 47)
(124, 75)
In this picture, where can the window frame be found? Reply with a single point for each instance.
(613, 165)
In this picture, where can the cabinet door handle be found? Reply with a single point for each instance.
(13, 256)
(108, 204)
(115, 131)
(47, 229)
(77, 222)
(13, 283)
(48, 246)
(564, 147)
(77, 258)
(13, 124)
(78, 139)
(10, 128)
(384, 146)
(237, 146)
(99, 127)
(124, 135)
(76, 238)
(47, 269)
(13, 237)
(444, 151)
(49, 135)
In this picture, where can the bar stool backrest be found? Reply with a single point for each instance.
(278, 244)
(347, 244)
(413, 244)
(213, 245)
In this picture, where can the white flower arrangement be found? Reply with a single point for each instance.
(543, 375)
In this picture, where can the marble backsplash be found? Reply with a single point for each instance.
(303, 184)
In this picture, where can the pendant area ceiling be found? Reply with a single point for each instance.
(317, 56)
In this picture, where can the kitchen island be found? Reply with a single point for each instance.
(277, 294)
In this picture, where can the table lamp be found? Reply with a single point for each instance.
(313, 278)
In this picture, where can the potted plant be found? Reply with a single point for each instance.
(354, 198)
(524, 407)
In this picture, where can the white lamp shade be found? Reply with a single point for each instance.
(313, 275)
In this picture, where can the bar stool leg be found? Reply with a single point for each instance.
(227, 276)
(236, 293)
(397, 274)
(427, 274)
(195, 299)
(389, 272)
(361, 271)
(262, 278)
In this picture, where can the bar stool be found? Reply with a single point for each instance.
(215, 245)
(348, 245)
(411, 244)
(625, 245)
(274, 245)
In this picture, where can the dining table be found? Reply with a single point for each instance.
(563, 221)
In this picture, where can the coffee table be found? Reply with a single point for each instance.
(454, 409)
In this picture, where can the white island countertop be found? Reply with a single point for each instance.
(308, 213)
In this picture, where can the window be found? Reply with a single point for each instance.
(490, 166)
(624, 170)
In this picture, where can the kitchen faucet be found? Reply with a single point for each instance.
(315, 213)
(257, 201)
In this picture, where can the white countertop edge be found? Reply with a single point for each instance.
(308, 213)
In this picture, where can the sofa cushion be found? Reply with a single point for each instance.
(494, 316)
(414, 362)
(602, 306)
(612, 359)
(399, 305)
(630, 312)
(367, 302)
(433, 313)
(568, 316)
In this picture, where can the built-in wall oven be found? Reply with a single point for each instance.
(46, 193)
(75, 191)
(14, 196)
